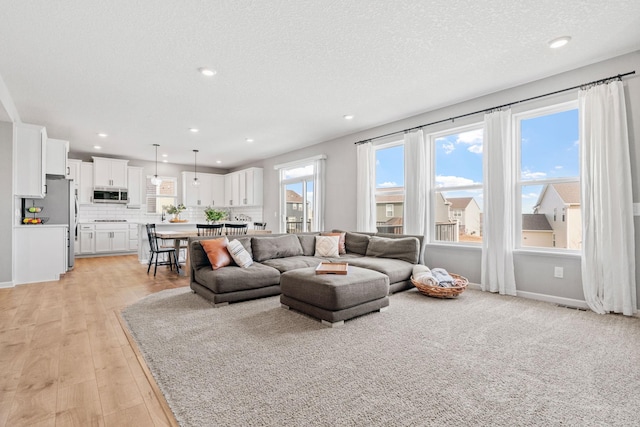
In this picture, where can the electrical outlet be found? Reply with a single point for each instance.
(558, 272)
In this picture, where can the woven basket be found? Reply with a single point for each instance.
(441, 292)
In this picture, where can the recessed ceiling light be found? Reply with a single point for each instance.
(207, 71)
(102, 135)
(97, 147)
(218, 161)
(559, 42)
(165, 155)
(194, 130)
(348, 117)
(165, 161)
(249, 140)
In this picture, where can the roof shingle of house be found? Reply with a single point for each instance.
(535, 222)
(569, 192)
(459, 202)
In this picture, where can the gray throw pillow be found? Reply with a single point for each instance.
(264, 248)
(308, 243)
(356, 243)
(403, 248)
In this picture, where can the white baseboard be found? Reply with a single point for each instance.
(569, 302)
(6, 285)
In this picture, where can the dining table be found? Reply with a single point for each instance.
(180, 236)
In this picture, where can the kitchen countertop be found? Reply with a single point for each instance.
(40, 225)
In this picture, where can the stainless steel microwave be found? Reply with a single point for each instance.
(110, 195)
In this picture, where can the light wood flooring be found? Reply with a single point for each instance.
(64, 358)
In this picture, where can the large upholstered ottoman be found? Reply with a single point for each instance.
(334, 298)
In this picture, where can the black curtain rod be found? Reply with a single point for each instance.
(618, 77)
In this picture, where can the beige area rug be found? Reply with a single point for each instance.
(482, 359)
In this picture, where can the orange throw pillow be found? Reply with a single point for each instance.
(216, 250)
(341, 246)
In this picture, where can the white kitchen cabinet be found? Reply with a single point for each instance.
(57, 154)
(109, 172)
(85, 190)
(86, 233)
(133, 237)
(244, 187)
(41, 253)
(134, 187)
(74, 171)
(112, 237)
(30, 142)
(210, 192)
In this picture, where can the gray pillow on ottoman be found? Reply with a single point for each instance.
(404, 248)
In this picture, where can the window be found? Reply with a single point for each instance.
(161, 195)
(549, 178)
(389, 210)
(457, 199)
(301, 184)
(389, 191)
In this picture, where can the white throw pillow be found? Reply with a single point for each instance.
(327, 246)
(239, 254)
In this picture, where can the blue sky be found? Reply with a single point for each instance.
(549, 150)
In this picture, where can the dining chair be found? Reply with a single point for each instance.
(235, 229)
(155, 251)
(209, 229)
(259, 225)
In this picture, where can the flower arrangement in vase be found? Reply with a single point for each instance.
(175, 211)
(214, 215)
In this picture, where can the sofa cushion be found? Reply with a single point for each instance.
(216, 250)
(404, 248)
(327, 246)
(275, 247)
(342, 249)
(396, 269)
(239, 254)
(233, 278)
(356, 242)
(292, 263)
(308, 243)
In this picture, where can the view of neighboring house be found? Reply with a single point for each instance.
(560, 204)
(466, 211)
(295, 212)
(536, 231)
(390, 209)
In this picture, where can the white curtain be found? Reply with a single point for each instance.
(497, 273)
(365, 183)
(608, 251)
(318, 193)
(415, 183)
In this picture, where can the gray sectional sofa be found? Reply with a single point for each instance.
(390, 254)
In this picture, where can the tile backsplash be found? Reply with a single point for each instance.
(89, 213)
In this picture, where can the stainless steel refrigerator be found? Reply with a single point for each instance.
(60, 205)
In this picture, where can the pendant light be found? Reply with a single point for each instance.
(195, 181)
(156, 180)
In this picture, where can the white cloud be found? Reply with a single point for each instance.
(473, 137)
(530, 196)
(388, 184)
(576, 143)
(527, 174)
(448, 147)
(559, 167)
(477, 149)
(453, 181)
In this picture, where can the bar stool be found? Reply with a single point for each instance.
(209, 229)
(235, 229)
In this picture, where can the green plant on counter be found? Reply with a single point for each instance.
(174, 210)
(214, 215)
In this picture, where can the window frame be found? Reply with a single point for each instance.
(156, 196)
(434, 190)
(383, 145)
(545, 110)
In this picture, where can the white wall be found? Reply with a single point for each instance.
(534, 272)
(6, 207)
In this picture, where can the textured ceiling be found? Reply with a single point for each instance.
(287, 71)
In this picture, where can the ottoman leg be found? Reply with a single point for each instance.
(384, 309)
(284, 306)
(334, 324)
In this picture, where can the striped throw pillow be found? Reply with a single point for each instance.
(239, 254)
